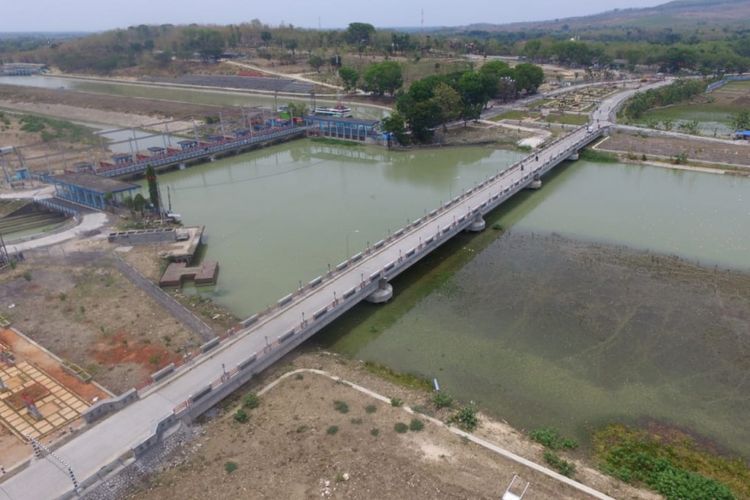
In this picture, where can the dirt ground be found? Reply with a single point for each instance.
(479, 133)
(83, 310)
(671, 147)
(10, 95)
(287, 450)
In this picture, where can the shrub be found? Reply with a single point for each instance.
(341, 407)
(371, 409)
(332, 430)
(230, 467)
(374, 432)
(560, 465)
(416, 425)
(356, 421)
(396, 402)
(27, 275)
(400, 427)
(551, 438)
(251, 401)
(241, 416)
(442, 400)
(466, 418)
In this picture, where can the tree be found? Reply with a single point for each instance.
(423, 118)
(153, 187)
(741, 121)
(316, 62)
(350, 77)
(266, 36)
(208, 43)
(383, 78)
(359, 34)
(473, 95)
(297, 109)
(449, 102)
(138, 203)
(394, 124)
(528, 77)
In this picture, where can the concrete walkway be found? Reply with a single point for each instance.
(89, 222)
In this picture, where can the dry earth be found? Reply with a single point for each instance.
(286, 450)
(83, 310)
(671, 147)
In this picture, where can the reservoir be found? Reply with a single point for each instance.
(615, 293)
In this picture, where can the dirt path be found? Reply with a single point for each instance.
(291, 76)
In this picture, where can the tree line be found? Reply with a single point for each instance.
(679, 91)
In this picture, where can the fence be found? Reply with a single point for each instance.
(726, 80)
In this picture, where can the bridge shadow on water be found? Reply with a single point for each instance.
(366, 322)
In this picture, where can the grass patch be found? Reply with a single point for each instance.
(332, 430)
(465, 418)
(374, 432)
(230, 467)
(52, 129)
(594, 155)
(559, 464)
(513, 114)
(567, 118)
(371, 409)
(416, 425)
(401, 428)
(552, 439)
(674, 466)
(442, 400)
(341, 407)
(408, 380)
(251, 401)
(356, 421)
(335, 142)
(396, 402)
(241, 416)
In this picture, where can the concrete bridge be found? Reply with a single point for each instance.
(136, 421)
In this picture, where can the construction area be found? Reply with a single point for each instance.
(40, 396)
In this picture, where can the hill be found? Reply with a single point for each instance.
(678, 15)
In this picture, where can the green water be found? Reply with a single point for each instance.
(557, 322)
(194, 96)
(281, 215)
(573, 317)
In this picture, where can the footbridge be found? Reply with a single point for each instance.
(130, 425)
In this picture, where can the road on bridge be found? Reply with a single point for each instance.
(104, 442)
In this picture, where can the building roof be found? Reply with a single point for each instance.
(96, 183)
(347, 121)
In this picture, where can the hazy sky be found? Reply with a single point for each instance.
(86, 15)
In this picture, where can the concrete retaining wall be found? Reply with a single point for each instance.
(110, 405)
(143, 236)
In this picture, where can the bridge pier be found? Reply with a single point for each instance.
(383, 294)
(478, 225)
(212, 158)
(574, 157)
(182, 166)
(535, 184)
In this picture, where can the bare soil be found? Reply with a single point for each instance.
(288, 450)
(85, 311)
(88, 100)
(695, 149)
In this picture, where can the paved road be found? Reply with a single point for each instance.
(108, 440)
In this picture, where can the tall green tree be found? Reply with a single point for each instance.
(528, 77)
(394, 124)
(449, 102)
(383, 78)
(153, 187)
(350, 77)
(359, 33)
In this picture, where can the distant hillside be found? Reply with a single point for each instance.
(676, 15)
